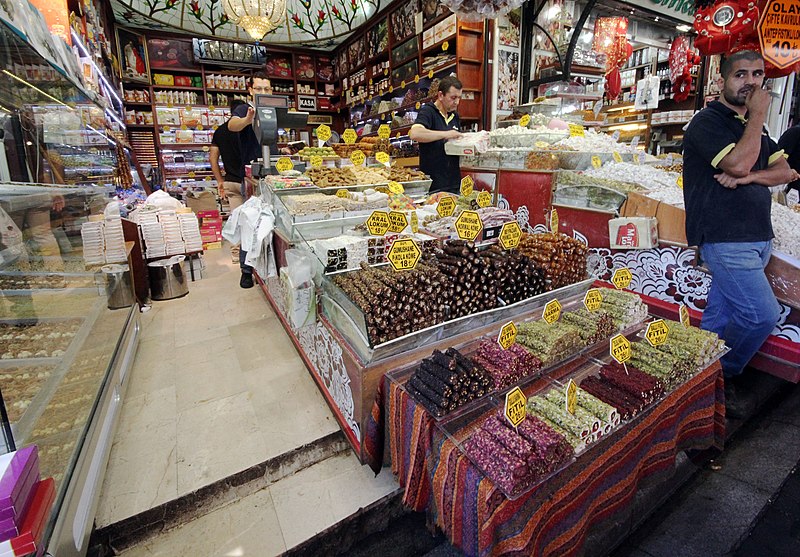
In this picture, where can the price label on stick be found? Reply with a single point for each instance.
(382, 158)
(657, 332)
(593, 299)
(684, 315)
(468, 225)
(554, 221)
(507, 335)
(514, 408)
(617, 156)
(284, 164)
(349, 136)
(620, 348)
(397, 221)
(598, 105)
(323, 133)
(396, 187)
(378, 223)
(551, 312)
(446, 206)
(597, 162)
(344, 194)
(777, 33)
(484, 199)
(404, 254)
(467, 186)
(622, 278)
(576, 130)
(525, 120)
(615, 135)
(414, 222)
(510, 235)
(384, 131)
(316, 161)
(635, 141)
(357, 157)
(679, 181)
(571, 397)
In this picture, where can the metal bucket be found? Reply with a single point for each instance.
(167, 278)
(119, 289)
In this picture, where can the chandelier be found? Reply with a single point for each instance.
(257, 17)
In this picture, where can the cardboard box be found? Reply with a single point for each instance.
(671, 220)
(212, 245)
(201, 201)
(633, 232)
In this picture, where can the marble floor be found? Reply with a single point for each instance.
(217, 387)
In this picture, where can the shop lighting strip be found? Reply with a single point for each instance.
(99, 73)
(35, 88)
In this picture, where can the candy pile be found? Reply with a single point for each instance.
(580, 429)
(551, 343)
(592, 326)
(480, 140)
(562, 258)
(518, 277)
(572, 178)
(625, 308)
(698, 344)
(445, 381)
(786, 225)
(629, 391)
(493, 216)
(671, 365)
(516, 460)
(365, 200)
(313, 203)
(506, 366)
(472, 275)
(594, 142)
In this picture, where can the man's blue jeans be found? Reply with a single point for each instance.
(741, 307)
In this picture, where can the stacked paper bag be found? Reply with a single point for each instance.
(190, 231)
(115, 241)
(171, 228)
(93, 243)
(152, 234)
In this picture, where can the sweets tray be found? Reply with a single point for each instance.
(350, 321)
(582, 160)
(90, 278)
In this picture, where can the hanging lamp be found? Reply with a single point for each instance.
(257, 17)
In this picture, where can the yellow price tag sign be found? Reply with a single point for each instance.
(385, 71)
(684, 316)
(397, 135)
(468, 225)
(167, 129)
(200, 128)
(657, 332)
(349, 136)
(507, 335)
(416, 79)
(316, 161)
(617, 156)
(211, 108)
(620, 348)
(596, 161)
(554, 221)
(414, 222)
(402, 85)
(514, 407)
(323, 132)
(382, 158)
(418, 105)
(680, 182)
(396, 187)
(357, 157)
(467, 186)
(445, 46)
(191, 175)
(342, 193)
(184, 127)
(284, 164)
(446, 206)
(593, 299)
(551, 312)
(430, 74)
(484, 199)
(510, 235)
(206, 148)
(571, 397)
(384, 131)
(397, 221)
(525, 120)
(378, 223)
(622, 278)
(576, 130)
(404, 254)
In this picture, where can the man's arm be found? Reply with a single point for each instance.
(743, 156)
(238, 123)
(213, 154)
(421, 134)
(776, 174)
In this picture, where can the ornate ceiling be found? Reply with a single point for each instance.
(318, 24)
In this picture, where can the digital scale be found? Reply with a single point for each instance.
(272, 113)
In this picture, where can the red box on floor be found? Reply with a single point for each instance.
(208, 214)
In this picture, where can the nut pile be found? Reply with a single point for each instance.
(406, 175)
(562, 258)
(40, 340)
(551, 343)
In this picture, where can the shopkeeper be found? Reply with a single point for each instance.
(436, 123)
(729, 162)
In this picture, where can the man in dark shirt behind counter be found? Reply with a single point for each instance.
(790, 143)
(436, 123)
(729, 163)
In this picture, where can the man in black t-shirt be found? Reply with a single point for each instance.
(729, 163)
(436, 123)
(225, 144)
(790, 143)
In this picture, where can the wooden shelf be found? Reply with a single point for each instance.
(179, 70)
(140, 126)
(177, 87)
(439, 44)
(243, 91)
(137, 103)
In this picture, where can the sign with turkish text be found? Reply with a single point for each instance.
(397, 221)
(378, 223)
(551, 312)
(622, 278)
(507, 335)
(593, 299)
(404, 254)
(349, 135)
(657, 332)
(620, 348)
(510, 235)
(514, 408)
(446, 206)
(779, 33)
(467, 186)
(468, 225)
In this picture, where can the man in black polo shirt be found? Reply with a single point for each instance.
(729, 162)
(436, 123)
(225, 145)
(790, 143)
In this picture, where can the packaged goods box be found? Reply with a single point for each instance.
(633, 232)
(671, 221)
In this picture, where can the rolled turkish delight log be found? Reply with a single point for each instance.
(434, 383)
(559, 399)
(627, 406)
(429, 405)
(543, 407)
(501, 477)
(605, 412)
(552, 446)
(430, 394)
(485, 442)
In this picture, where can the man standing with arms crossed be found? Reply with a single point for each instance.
(729, 164)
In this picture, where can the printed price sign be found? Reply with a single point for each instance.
(184, 127)
(576, 130)
(414, 222)
(416, 79)
(446, 206)
(617, 156)
(620, 348)
(357, 157)
(593, 299)
(615, 135)
(679, 181)
(778, 33)
(551, 312)
(349, 136)
(323, 132)
(622, 278)
(635, 141)
(445, 46)
(397, 221)
(668, 160)
(525, 120)
(554, 221)
(510, 235)
(514, 408)
(284, 164)
(206, 149)
(378, 223)
(430, 74)
(468, 225)
(382, 158)
(200, 128)
(598, 105)
(484, 199)
(657, 332)
(418, 105)
(571, 398)
(344, 194)
(384, 131)
(316, 161)
(402, 84)
(684, 313)
(467, 186)
(385, 71)
(507, 335)
(167, 129)
(396, 188)
(596, 161)
(191, 174)
(404, 254)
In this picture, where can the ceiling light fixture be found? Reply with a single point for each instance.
(257, 17)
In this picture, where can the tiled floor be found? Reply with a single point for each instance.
(215, 388)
